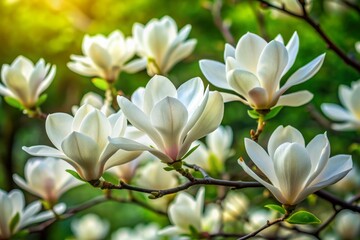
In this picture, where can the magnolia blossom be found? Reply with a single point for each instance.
(347, 225)
(218, 150)
(172, 118)
(186, 213)
(140, 232)
(295, 171)
(234, 206)
(257, 219)
(12, 206)
(160, 43)
(90, 227)
(254, 69)
(82, 141)
(350, 113)
(47, 178)
(25, 82)
(96, 101)
(291, 5)
(106, 57)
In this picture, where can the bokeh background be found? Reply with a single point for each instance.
(54, 29)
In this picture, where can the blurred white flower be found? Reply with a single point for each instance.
(357, 47)
(172, 118)
(254, 69)
(160, 43)
(350, 183)
(47, 178)
(96, 101)
(83, 142)
(257, 219)
(350, 113)
(90, 227)
(13, 212)
(106, 57)
(234, 206)
(290, 5)
(218, 150)
(295, 171)
(347, 225)
(186, 213)
(25, 82)
(140, 232)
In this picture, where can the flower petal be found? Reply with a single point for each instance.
(336, 112)
(242, 82)
(58, 126)
(215, 73)
(292, 47)
(294, 99)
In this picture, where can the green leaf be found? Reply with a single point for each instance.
(41, 100)
(275, 207)
(14, 102)
(100, 83)
(253, 114)
(273, 112)
(168, 169)
(14, 221)
(303, 217)
(190, 152)
(75, 174)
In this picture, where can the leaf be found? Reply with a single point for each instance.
(168, 169)
(190, 152)
(253, 114)
(275, 207)
(41, 100)
(273, 112)
(303, 217)
(14, 222)
(100, 83)
(75, 174)
(13, 102)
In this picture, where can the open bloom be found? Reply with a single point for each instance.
(350, 113)
(172, 118)
(160, 43)
(12, 206)
(254, 69)
(82, 141)
(96, 101)
(90, 227)
(25, 82)
(47, 178)
(106, 57)
(295, 171)
(140, 232)
(186, 213)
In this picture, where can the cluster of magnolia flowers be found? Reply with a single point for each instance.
(168, 121)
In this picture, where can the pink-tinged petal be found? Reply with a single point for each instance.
(336, 112)
(295, 99)
(258, 98)
(215, 73)
(292, 167)
(229, 97)
(292, 47)
(272, 63)
(248, 51)
(100, 56)
(282, 135)
(44, 151)
(130, 145)
(242, 82)
(157, 89)
(191, 93)
(179, 53)
(58, 126)
(139, 120)
(276, 192)
(303, 74)
(261, 160)
(135, 66)
(229, 51)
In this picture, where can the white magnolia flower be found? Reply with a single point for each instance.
(347, 225)
(350, 113)
(186, 213)
(96, 101)
(25, 82)
(218, 150)
(106, 57)
(83, 142)
(90, 227)
(254, 69)
(234, 206)
(12, 206)
(257, 219)
(140, 232)
(47, 178)
(172, 118)
(295, 171)
(160, 43)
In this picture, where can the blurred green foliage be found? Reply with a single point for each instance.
(54, 29)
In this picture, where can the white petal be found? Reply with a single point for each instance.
(345, 95)
(292, 47)
(229, 51)
(47, 81)
(191, 93)
(215, 73)
(350, 126)
(135, 66)
(58, 126)
(121, 157)
(100, 56)
(336, 112)
(295, 99)
(228, 97)
(44, 151)
(242, 81)
(178, 54)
